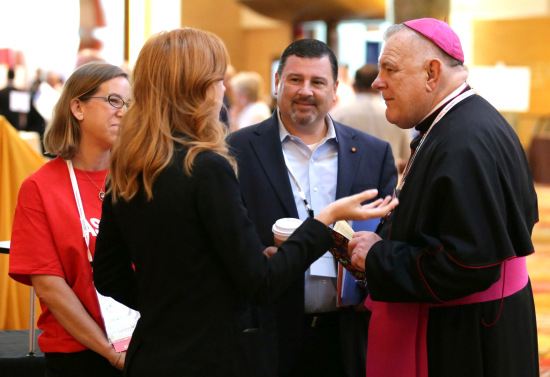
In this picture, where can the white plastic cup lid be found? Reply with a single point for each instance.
(286, 226)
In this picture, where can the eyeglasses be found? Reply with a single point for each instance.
(113, 100)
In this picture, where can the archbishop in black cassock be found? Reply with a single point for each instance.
(447, 276)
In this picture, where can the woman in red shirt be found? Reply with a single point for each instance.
(52, 244)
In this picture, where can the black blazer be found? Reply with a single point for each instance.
(197, 261)
(364, 162)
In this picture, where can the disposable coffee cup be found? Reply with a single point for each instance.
(283, 228)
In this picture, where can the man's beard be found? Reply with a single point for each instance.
(302, 119)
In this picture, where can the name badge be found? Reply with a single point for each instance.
(324, 266)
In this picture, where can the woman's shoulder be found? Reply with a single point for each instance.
(211, 160)
(50, 171)
(204, 162)
(47, 182)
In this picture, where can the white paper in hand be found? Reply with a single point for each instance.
(120, 321)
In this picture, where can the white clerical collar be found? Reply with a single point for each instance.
(331, 133)
(455, 93)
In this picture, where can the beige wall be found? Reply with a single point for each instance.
(523, 42)
(250, 49)
(261, 48)
(519, 42)
(218, 16)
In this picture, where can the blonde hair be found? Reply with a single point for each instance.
(172, 103)
(62, 136)
(248, 83)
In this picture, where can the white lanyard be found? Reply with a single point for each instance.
(300, 191)
(119, 320)
(445, 110)
(85, 226)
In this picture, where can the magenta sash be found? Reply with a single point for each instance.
(397, 331)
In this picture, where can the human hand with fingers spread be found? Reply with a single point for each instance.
(350, 208)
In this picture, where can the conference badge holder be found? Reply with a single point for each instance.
(119, 320)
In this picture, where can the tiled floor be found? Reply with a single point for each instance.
(539, 271)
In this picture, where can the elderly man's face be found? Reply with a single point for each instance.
(403, 80)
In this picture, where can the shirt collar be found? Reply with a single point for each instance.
(331, 132)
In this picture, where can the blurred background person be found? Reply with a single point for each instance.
(88, 55)
(6, 108)
(247, 106)
(175, 213)
(35, 121)
(47, 95)
(47, 246)
(224, 111)
(345, 86)
(367, 112)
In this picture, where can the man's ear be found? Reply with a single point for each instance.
(276, 83)
(433, 69)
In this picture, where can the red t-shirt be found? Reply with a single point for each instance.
(47, 240)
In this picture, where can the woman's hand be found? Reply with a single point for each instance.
(61, 300)
(350, 208)
(118, 360)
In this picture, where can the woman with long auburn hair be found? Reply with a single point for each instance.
(173, 104)
(175, 241)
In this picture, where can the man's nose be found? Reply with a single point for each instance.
(306, 88)
(378, 84)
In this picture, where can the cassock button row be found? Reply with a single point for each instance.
(353, 150)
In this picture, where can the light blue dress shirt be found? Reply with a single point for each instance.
(315, 169)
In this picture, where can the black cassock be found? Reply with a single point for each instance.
(468, 203)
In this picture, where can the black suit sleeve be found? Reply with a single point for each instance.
(237, 243)
(112, 265)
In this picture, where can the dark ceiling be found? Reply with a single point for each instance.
(311, 10)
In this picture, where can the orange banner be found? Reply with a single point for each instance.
(17, 161)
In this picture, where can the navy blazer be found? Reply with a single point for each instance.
(364, 162)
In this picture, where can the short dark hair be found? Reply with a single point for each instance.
(309, 48)
(365, 76)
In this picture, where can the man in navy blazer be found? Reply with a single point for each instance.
(300, 148)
